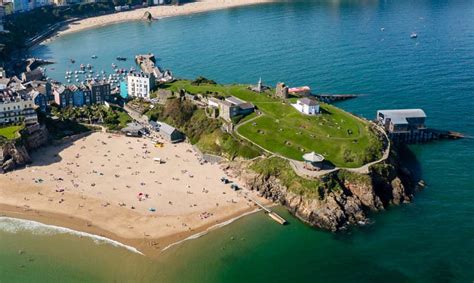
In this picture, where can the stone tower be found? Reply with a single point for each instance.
(281, 91)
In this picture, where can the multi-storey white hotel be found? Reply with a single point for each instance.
(16, 107)
(140, 85)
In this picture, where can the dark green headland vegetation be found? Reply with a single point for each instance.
(202, 131)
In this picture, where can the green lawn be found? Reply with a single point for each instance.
(343, 139)
(10, 132)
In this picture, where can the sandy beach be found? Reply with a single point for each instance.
(157, 12)
(110, 185)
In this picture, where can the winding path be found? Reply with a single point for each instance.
(298, 166)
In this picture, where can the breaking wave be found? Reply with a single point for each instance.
(15, 225)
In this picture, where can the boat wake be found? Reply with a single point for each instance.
(15, 225)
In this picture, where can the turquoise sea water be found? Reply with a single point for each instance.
(334, 47)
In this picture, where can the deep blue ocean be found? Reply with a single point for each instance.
(339, 46)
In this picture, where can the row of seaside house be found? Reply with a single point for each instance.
(19, 97)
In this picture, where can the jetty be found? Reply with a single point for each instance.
(147, 64)
(335, 97)
(33, 63)
(273, 215)
(408, 126)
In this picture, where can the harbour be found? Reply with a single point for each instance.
(427, 75)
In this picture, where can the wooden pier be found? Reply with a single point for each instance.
(273, 215)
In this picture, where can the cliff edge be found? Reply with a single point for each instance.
(14, 153)
(337, 200)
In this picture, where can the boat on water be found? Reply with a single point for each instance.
(119, 58)
(413, 35)
(94, 56)
(72, 61)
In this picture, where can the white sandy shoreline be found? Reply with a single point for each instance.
(157, 12)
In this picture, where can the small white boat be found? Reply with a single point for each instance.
(94, 56)
(413, 35)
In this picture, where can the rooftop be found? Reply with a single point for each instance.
(313, 157)
(34, 75)
(234, 100)
(399, 116)
(299, 89)
(308, 101)
(8, 95)
(133, 127)
(166, 129)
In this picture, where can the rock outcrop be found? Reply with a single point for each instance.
(15, 154)
(335, 208)
(37, 137)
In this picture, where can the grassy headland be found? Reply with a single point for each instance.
(342, 138)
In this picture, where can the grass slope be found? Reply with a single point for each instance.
(10, 132)
(343, 139)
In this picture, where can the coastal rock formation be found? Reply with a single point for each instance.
(15, 153)
(37, 137)
(335, 208)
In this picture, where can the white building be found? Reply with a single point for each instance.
(140, 85)
(17, 107)
(307, 106)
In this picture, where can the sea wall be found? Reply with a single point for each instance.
(357, 195)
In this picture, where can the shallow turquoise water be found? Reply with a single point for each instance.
(334, 47)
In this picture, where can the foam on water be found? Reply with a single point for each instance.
(15, 225)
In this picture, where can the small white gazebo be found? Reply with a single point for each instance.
(313, 161)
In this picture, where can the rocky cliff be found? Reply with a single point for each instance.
(15, 154)
(343, 198)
